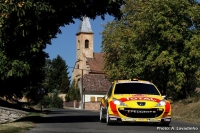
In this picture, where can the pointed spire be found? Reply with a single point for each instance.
(85, 26)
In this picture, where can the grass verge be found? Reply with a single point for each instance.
(187, 110)
(21, 125)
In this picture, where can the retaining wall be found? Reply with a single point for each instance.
(10, 115)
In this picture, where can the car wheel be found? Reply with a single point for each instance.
(108, 118)
(101, 114)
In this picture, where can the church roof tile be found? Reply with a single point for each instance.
(96, 63)
(95, 83)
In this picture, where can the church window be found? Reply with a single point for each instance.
(78, 44)
(86, 43)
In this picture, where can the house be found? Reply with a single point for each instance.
(88, 68)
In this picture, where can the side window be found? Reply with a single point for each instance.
(78, 44)
(110, 91)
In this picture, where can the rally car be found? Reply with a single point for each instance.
(134, 101)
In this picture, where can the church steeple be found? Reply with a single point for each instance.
(85, 26)
(84, 40)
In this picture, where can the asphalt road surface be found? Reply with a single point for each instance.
(83, 121)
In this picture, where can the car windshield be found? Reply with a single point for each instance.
(135, 88)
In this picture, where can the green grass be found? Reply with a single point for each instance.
(22, 124)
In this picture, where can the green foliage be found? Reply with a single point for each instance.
(26, 27)
(73, 93)
(56, 75)
(52, 102)
(156, 41)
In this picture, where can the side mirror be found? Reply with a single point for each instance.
(164, 96)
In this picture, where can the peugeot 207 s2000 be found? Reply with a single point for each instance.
(134, 101)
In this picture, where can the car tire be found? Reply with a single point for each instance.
(101, 114)
(108, 118)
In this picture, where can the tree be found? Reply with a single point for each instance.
(156, 41)
(26, 27)
(74, 92)
(57, 75)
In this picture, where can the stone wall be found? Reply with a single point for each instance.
(10, 115)
(92, 105)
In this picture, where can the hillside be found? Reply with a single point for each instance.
(187, 110)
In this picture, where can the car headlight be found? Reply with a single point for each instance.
(118, 102)
(161, 103)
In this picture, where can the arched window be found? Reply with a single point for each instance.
(86, 43)
(78, 66)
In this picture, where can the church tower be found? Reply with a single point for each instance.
(84, 49)
(84, 40)
(88, 69)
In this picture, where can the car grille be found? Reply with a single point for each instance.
(141, 113)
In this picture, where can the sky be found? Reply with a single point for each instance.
(65, 43)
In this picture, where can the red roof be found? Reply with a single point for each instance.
(96, 63)
(95, 83)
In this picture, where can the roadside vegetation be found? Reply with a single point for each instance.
(22, 124)
(156, 41)
(25, 31)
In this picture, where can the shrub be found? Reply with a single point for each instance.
(52, 102)
(73, 94)
(46, 101)
(57, 102)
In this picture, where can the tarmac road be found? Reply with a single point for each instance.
(83, 121)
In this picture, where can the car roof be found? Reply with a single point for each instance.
(133, 81)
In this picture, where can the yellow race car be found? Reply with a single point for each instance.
(134, 101)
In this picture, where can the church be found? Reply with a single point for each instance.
(88, 68)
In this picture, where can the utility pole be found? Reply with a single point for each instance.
(82, 90)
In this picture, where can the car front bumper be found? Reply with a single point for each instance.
(148, 120)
